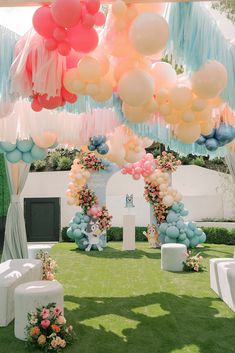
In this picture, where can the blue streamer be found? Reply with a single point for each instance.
(196, 38)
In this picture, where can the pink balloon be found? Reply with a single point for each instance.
(147, 164)
(51, 44)
(64, 48)
(88, 20)
(43, 22)
(123, 171)
(92, 6)
(35, 105)
(83, 39)
(66, 13)
(138, 170)
(72, 59)
(136, 176)
(60, 34)
(149, 156)
(99, 19)
(49, 103)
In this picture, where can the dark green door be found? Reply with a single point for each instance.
(42, 219)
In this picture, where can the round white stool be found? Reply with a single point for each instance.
(29, 296)
(33, 249)
(172, 257)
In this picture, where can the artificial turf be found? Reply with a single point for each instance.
(121, 302)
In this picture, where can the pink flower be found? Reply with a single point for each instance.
(61, 320)
(54, 343)
(45, 313)
(57, 311)
(50, 277)
(62, 343)
(45, 323)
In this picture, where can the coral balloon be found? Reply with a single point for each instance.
(43, 22)
(136, 87)
(89, 69)
(136, 114)
(181, 97)
(67, 96)
(50, 44)
(60, 34)
(64, 48)
(66, 13)
(164, 75)
(70, 77)
(49, 103)
(210, 80)
(188, 132)
(88, 20)
(92, 6)
(83, 39)
(35, 105)
(99, 19)
(149, 33)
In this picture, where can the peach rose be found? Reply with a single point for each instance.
(41, 340)
(61, 320)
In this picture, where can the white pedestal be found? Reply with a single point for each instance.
(128, 232)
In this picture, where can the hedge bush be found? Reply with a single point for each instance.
(64, 236)
(217, 235)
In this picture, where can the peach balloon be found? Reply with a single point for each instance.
(122, 66)
(79, 87)
(89, 69)
(45, 140)
(209, 81)
(181, 97)
(163, 95)
(207, 127)
(92, 89)
(188, 116)
(164, 75)
(104, 91)
(150, 7)
(149, 33)
(173, 118)
(133, 157)
(119, 8)
(69, 77)
(135, 114)
(165, 109)
(151, 106)
(136, 87)
(199, 104)
(188, 132)
(204, 115)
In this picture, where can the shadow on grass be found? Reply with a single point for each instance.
(174, 323)
(111, 253)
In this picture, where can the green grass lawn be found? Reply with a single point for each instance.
(121, 302)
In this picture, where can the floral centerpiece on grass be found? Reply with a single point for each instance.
(47, 329)
(167, 162)
(151, 194)
(89, 161)
(104, 219)
(48, 265)
(193, 263)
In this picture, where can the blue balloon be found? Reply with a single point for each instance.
(163, 227)
(194, 241)
(91, 147)
(201, 140)
(77, 220)
(27, 157)
(104, 139)
(180, 224)
(77, 233)
(38, 152)
(172, 232)
(169, 240)
(185, 242)
(175, 207)
(211, 144)
(8, 147)
(95, 140)
(184, 213)
(24, 145)
(212, 134)
(224, 133)
(198, 232)
(161, 238)
(171, 217)
(14, 156)
(192, 226)
(103, 148)
(182, 236)
(70, 233)
(190, 233)
(86, 219)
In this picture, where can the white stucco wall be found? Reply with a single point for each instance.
(206, 194)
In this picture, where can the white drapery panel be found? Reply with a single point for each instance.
(71, 129)
(15, 242)
(230, 160)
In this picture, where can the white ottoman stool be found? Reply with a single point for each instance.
(214, 279)
(226, 275)
(172, 257)
(29, 296)
(33, 249)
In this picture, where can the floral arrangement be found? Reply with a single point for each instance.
(87, 199)
(167, 162)
(193, 263)
(48, 265)
(151, 194)
(89, 161)
(104, 219)
(47, 329)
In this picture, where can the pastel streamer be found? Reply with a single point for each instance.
(196, 38)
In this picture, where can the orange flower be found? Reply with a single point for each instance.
(55, 328)
(35, 331)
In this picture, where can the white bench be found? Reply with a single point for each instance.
(214, 276)
(226, 275)
(12, 274)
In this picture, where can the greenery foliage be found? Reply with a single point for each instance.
(4, 190)
(39, 165)
(219, 235)
(199, 161)
(227, 7)
(64, 163)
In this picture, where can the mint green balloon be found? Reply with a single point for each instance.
(24, 145)
(14, 156)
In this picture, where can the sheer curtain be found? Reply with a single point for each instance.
(230, 160)
(15, 243)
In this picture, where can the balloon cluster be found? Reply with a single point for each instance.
(69, 24)
(28, 150)
(78, 176)
(219, 136)
(175, 230)
(88, 78)
(97, 143)
(144, 167)
(76, 227)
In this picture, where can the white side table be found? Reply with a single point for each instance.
(128, 232)
(172, 257)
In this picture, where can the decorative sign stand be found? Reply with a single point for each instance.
(129, 225)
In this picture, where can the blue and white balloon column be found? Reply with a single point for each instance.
(176, 230)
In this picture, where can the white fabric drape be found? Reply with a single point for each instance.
(230, 160)
(15, 242)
